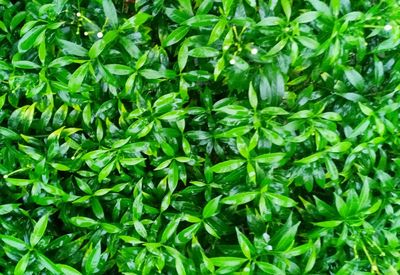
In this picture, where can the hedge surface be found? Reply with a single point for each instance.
(199, 137)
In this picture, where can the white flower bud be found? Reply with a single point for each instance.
(99, 34)
(269, 247)
(85, 33)
(232, 61)
(254, 51)
(387, 27)
(78, 14)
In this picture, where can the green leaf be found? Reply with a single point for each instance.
(332, 116)
(22, 264)
(270, 268)
(27, 65)
(48, 264)
(270, 158)
(235, 132)
(281, 200)
(287, 240)
(151, 74)
(270, 21)
(135, 21)
(308, 42)
(365, 109)
(335, 6)
(7, 208)
(245, 245)
(14, 242)
(340, 147)
(217, 31)
(228, 166)
(83, 221)
(328, 224)
(119, 69)
(68, 270)
(187, 234)
(355, 78)
(72, 48)
(203, 52)
(105, 172)
(31, 38)
(183, 56)
(6, 133)
(140, 229)
(176, 36)
(76, 79)
(169, 230)
(287, 8)
(240, 198)
(307, 17)
(38, 230)
(203, 20)
(99, 46)
(110, 12)
(227, 5)
(211, 208)
(228, 261)
(93, 258)
(310, 159)
(253, 96)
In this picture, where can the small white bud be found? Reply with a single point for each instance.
(387, 27)
(99, 34)
(85, 33)
(266, 237)
(254, 51)
(269, 247)
(73, 157)
(232, 61)
(78, 14)
(5, 176)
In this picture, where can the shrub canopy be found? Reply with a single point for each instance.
(199, 137)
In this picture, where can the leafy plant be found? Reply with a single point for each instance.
(199, 137)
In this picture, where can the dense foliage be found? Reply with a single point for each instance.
(199, 137)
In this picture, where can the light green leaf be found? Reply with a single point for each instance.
(228, 166)
(240, 198)
(76, 79)
(270, 158)
(83, 221)
(110, 12)
(31, 38)
(22, 264)
(203, 52)
(355, 78)
(38, 230)
(281, 200)
(211, 208)
(176, 36)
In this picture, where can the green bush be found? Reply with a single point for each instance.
(199, 137)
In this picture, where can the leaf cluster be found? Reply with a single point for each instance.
(199, 137)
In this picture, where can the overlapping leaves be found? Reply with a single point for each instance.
(199, 137)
